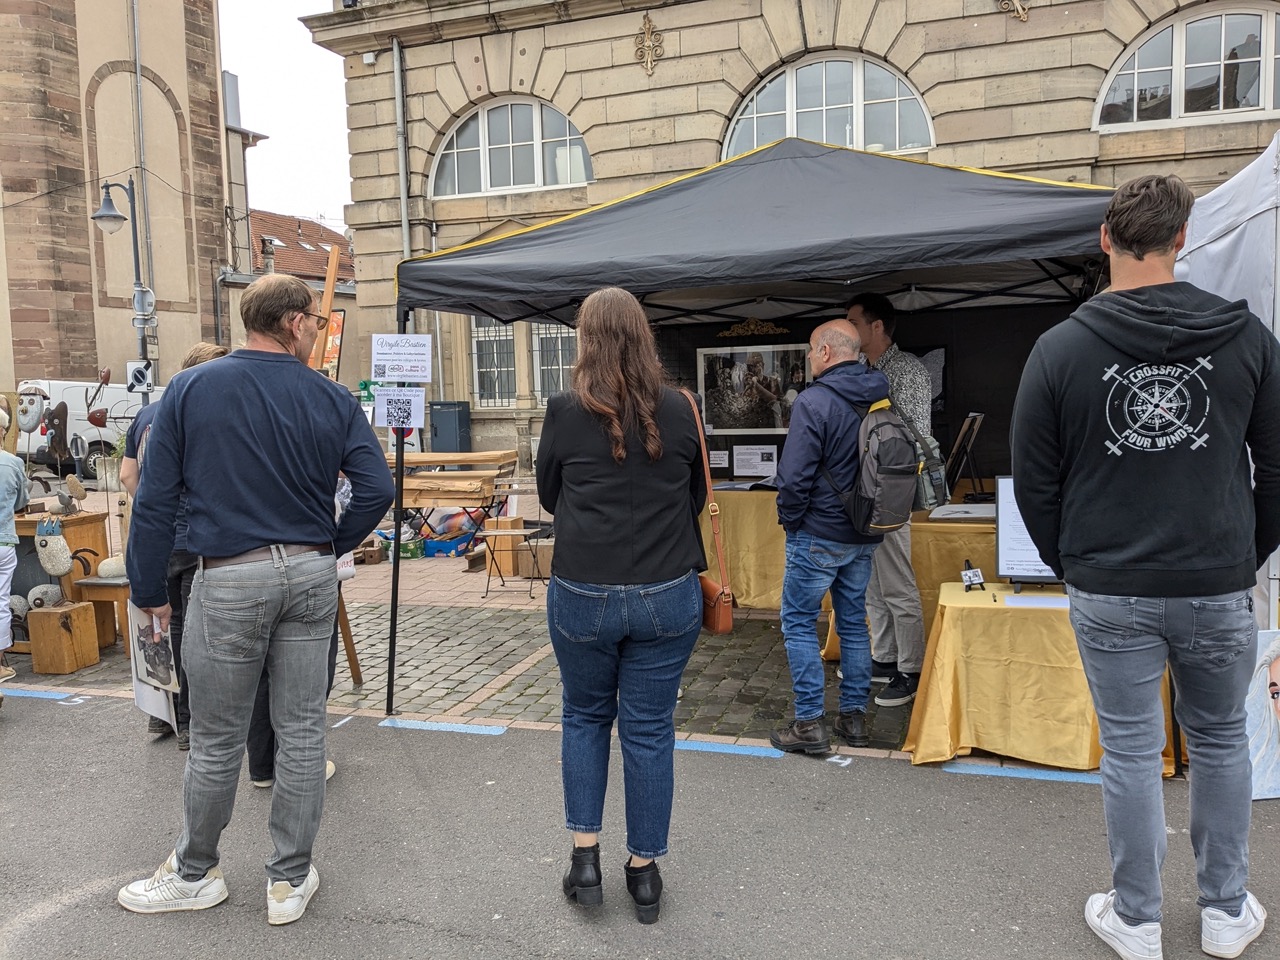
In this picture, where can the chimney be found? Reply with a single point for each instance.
(268, 256)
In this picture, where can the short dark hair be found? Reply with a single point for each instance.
(268, 300)
(877, 307)
(1146, 213)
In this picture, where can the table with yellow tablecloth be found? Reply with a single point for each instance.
(755, 547)
(1005, 679)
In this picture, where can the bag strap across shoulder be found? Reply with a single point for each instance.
(713, 508)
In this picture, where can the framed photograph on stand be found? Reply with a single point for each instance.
(750, 390)
(960, 460)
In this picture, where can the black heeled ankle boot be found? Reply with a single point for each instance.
(582, 880)
(645, 886)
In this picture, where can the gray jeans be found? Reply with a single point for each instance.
(279, 612)
(1210, 644)
(893, 604)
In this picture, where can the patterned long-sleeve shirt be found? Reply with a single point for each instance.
(910, 388)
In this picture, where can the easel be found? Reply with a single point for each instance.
(344, 627)
(315, 362)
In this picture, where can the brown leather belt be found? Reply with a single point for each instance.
(264, 553)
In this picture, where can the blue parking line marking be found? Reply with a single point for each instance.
(37, 694)
(1021, 773)
(701, 746)
(490, 731)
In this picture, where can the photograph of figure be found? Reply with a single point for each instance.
(751, 390)
(1263, 724)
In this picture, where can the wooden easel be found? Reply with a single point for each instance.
(326, 310)
(344, 627)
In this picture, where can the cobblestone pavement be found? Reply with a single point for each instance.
(493, 665)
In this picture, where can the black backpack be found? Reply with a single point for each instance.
(889, 467)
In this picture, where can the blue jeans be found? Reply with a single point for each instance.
(1210, 644)
(815, 566)
(279, 612)
(622, 651)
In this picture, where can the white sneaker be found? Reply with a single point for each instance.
(166, 891)
(1222, 935)
(330, 768)
(264, 784)
(1133, 943)
(286, 903)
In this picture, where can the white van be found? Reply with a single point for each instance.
(120, 406)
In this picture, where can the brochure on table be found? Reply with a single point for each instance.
(1017, 559)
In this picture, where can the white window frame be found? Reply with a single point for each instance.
(858, 105)
(539, 141)
(1266, 82)
(488, 330)
(560, 331)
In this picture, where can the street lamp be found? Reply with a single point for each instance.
(109, 221)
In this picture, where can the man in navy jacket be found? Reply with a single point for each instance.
(824, 551)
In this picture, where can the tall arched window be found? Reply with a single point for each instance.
(851, 101)
(1212, 64)
(511, 146)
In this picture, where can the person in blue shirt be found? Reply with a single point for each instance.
(13, 497)
(256, 440)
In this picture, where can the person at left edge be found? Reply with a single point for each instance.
(256, 439)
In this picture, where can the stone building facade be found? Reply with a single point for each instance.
(1010, 85)
(68, 121)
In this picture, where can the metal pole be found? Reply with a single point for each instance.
(137, 277)
(402, 324)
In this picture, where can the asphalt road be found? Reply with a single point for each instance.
(449, 845)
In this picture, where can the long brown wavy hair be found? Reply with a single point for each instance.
(617, 375)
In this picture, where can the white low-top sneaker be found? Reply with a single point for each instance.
(166, 891)
(1222, 935)
(1133, 943)
(287, 903)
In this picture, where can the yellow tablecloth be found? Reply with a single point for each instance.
(1008, 680)
(1004, 679)
(755, 546)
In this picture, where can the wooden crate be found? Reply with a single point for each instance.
(63, 638)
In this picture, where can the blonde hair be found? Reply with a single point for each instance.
(202, 353)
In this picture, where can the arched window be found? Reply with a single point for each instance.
(1212, 64)
(851, 102)
(511, 146)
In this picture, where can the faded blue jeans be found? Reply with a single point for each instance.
(813, 567)
(622, 651)
(1210, 644)
(280, 613)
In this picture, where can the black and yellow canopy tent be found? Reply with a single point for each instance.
(783, 232)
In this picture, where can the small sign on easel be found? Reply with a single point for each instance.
(971, 576)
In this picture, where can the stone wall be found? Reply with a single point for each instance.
(1002, 93)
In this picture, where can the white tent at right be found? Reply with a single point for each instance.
(1231, 243)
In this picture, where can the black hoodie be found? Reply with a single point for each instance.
(1132, 436)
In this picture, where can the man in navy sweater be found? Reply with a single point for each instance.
(1133, 432)
(255, 441)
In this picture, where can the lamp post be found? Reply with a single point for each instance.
(109, 221)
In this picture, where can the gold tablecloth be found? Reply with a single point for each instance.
(1007, 680)
(755, 547)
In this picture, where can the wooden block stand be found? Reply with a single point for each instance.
(63, 638)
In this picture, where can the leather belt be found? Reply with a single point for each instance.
(264, 553)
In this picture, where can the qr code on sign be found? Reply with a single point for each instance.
(399, 412)
(379, 371)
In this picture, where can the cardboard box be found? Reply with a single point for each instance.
(543, 547)
(455, 547)
(63, 638)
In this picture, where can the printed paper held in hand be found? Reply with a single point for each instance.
(151, 650)
(152, 700)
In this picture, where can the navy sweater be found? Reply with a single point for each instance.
(257, 440)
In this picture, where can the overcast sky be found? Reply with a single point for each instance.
(291, 91)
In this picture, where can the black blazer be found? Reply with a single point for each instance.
(629, 522)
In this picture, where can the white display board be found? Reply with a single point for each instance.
(1016, 556)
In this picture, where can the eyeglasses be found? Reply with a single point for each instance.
(321, 322)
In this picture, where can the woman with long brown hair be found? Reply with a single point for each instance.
(619, 467)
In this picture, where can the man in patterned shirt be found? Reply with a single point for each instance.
(893, 600)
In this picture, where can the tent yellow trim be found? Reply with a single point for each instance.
(472, 244)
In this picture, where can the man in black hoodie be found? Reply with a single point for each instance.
(824, 551)
(1133, 432)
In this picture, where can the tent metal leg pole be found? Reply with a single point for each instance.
(402, 324)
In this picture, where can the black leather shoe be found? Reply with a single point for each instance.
(802, 736)
(582, 880)
(852, 729)
(645, 886)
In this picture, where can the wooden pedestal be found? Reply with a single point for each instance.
(63, 638)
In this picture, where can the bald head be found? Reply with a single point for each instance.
(835, 341)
